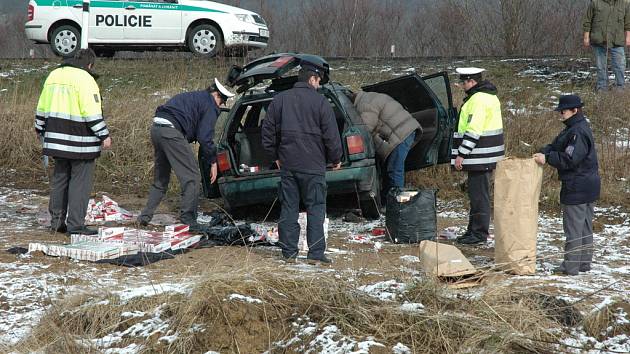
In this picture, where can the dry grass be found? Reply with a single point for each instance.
(501, 320)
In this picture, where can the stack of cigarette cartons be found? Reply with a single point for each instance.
(302, 241)
(180, 237)
(86, 250)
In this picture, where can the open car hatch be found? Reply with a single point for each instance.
(271, 67)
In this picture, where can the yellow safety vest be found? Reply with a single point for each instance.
(479, 136)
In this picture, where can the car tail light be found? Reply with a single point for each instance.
(31, 12)
(223, 161)
(355, 144)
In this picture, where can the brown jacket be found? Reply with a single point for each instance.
(388, 122)
(607, 21)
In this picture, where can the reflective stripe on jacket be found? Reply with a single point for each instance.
(69, 115)
(479, 136)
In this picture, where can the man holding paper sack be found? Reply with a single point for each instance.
(573, 153)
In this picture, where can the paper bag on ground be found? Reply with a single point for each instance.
(443, 260)
(517, 184)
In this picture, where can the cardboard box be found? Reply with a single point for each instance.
(87, 250)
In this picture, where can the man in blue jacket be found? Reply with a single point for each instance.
(573, 153)
(301, 134)
(185, 118)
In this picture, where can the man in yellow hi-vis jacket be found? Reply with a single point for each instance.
(477, 146)
(70, 120)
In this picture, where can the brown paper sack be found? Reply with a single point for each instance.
(517, 184)
(447, 263)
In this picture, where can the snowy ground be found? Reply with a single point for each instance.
(29, 284)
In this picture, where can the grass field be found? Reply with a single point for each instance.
(235, 299)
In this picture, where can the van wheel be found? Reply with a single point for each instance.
(65, 41)
(370, 201)
(205, 40)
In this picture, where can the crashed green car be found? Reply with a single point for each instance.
(247, 175)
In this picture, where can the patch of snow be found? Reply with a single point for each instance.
(384, 290)
(412, 307)
(400, 348)
(152, 290)
(243, 298)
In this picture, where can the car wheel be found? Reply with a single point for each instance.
(205, 40)
(370, 201)
(65, 40)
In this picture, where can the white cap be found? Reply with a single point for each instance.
(469, 71)
(222, 89)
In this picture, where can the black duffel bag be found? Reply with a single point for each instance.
(414, 220)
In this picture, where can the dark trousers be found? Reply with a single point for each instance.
(479, 196)
(577, 221)
(172, 151)
(70, 189)
(311, 189)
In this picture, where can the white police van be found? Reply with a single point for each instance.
(200, 26)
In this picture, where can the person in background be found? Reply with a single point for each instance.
(70, 120)
(185, 118)
(573, 153)
(393, 130)
(301, 134)
(477, 147)
(606, 27)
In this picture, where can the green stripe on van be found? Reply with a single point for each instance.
(120, 4)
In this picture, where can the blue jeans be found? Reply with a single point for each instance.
(396, 162)
(618, 63)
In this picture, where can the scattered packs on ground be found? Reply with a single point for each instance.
(105, 210)
(517, 184)
(411, 216)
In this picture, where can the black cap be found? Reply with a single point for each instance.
(569, 102)
(313, 67)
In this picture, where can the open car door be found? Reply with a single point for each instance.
(271, 67)
(428, 99)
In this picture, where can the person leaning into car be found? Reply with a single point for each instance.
(394, 132)
(185, 118)
(70, 121)
(477, 147)
(301, 134)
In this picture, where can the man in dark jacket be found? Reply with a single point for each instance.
(301, 134)
(185, 118)
(70, 121)
(606, 27)
(573, 153)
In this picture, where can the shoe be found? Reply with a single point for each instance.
(62, 229)
(142, 223)
(560, 271)
(322, 260)
(585, 270)
(288, 259)
(82, 231)
(470, 240)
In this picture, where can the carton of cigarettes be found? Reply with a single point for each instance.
(184, 240)
(405, 196)
(269, 232)
(302, 241)
(176, 229)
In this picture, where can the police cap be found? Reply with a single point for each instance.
(470, 73)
